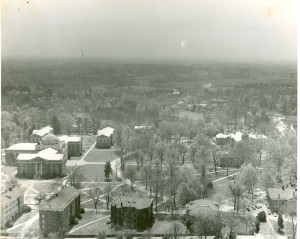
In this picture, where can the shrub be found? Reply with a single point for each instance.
(79, 217)
(209, 185)
(9, 224)
(74, 221)
(257, 226)
(101, 235)
(166, 236)
(262, 217)
(26, 209)
(82, 211)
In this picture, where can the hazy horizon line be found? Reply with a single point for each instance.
(138, 60)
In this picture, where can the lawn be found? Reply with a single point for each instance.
(95, 172)
(25, 217)
(45, 187)
(221, 188)
(93, 228)
(101, 155)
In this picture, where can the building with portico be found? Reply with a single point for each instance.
(49, 141)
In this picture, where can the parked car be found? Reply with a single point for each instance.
(275, 214)
(269, 212)
(210, 169)
(258, 206)
(248, 209)
(253, 207)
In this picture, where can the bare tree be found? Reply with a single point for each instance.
(130, 173)
(182, 152)
(232, 226)
(107, 191)
(39, 197)
(291, 210)
(94, 193)
(237, 192)
(117, 166)
(75, 176)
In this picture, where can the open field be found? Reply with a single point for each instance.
(95, 172)
(101, 155)
(46, 187)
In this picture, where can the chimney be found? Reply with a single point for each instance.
(10, 189)
(278, 195)
(121, 204)
(283, 188)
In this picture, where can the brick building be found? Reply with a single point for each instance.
(105, 138)
(57, 213)
(132, 212)
(14, 150)
(278, 197)
(49, 141)
(38, 134)
(74, 144)
(223, 139)
(47, 163)
(12, 204)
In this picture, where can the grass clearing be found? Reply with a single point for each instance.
(93, 228)
(101, 155)
(45, 187)
(95, 172)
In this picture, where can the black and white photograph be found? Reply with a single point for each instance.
(162, 119)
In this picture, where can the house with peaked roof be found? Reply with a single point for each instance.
(12, 204)
(58, 212)
(105, 138)
(47, 163)
(132, 212)
(278, 197)
(38, 134)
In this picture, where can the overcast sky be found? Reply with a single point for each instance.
(237, 30)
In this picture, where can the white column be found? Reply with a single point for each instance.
(35, 168)
(41, 168)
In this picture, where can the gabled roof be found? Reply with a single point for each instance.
(280, 194)
(108, 131)
(11, 195)
(60, 199)
(23, 147)
(201, 206)
(43, 131)
(135, 202)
